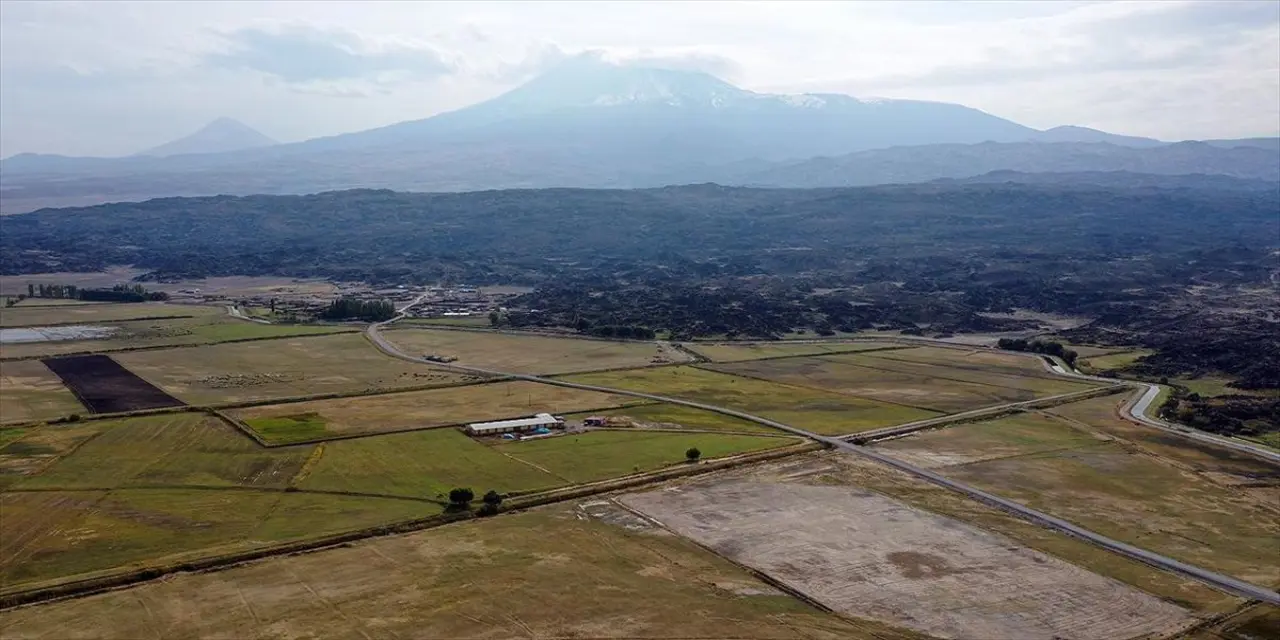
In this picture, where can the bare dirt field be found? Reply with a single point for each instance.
(279, 368)
(556, 572)
(106, 387)
(17, 284)
(530, 354)
(432, 407)
(867, 555)
(29, 391)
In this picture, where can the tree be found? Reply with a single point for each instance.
(692, 454)
(31, 290)
(461, 497)
(492, 497)
(495, 318)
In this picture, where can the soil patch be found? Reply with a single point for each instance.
(106, 387)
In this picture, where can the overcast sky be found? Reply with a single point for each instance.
(113, 78)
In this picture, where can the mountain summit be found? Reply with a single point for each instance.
(223, 134)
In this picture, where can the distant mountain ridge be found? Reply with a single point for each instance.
(589, 123)
(223, 134)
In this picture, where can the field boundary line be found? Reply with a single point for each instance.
(161, 347)
(707, 431)
(787, 356)
(46, 592)
(91, 321)
(981, 414)
(401, 430)
(820, 389)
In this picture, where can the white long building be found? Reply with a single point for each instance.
(513, 426)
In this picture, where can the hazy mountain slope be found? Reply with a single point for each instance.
(223, 134)
(1071, 133)
(1113, 179)
(924, 163)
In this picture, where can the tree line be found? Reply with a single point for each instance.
(369, 310)
(1046, 347)
(117, 293)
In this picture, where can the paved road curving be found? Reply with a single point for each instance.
(1219, 581)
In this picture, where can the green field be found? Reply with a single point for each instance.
(423, 409)
(1034, 380)
(1010, 436)
(267, 369)
(599, 455)
(529, 353)
(944, 394)
(30, 391)
(422, 464)
(1111, 360)
(730, 352)
(819, 411)
(169, 450)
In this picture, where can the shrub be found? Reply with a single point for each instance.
(461, 497)
(692, 454)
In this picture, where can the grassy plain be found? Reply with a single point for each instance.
(674, 416)
(1109, 361)
(730, 352)
(168, 450)
(599, 455)
(945, 394)
(98, 313)
(52, 535)
(265, 369)
(30, 391)
(432, 407)
(1112, 489)
(206, 329)
(526, 353)
(979, 360)
(1038, 383)
(819, 411)
(547, 573)
(27, 451)
(421, 464)
(845, 469)
(1010, 436)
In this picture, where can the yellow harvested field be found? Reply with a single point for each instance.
(730, 352)
(264, 369)
(95, 313)
(992, 374)
(986, 360)
(436, 407)
(557, 572)
(30, 391)
(531, 354)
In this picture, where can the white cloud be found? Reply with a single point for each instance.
(112, 78)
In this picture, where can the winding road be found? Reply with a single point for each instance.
(1219, 581)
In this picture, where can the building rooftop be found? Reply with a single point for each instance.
(540, 419)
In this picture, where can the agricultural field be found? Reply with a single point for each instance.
(529, 353)
(819, 411)
(948, 394)
(421, 464)
(419, 409)
(30, 391)
(856, 473)
(106, 387)
(205, 329)
(22, 316)
(1108, 361)
(287, 367)
(979, 360)
(599, 455)
(993, 374)
(554, 572)
(863, 554)
(674, 416)
(1112, 489)
(736, 352)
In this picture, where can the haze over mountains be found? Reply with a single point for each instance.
(589, 123)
